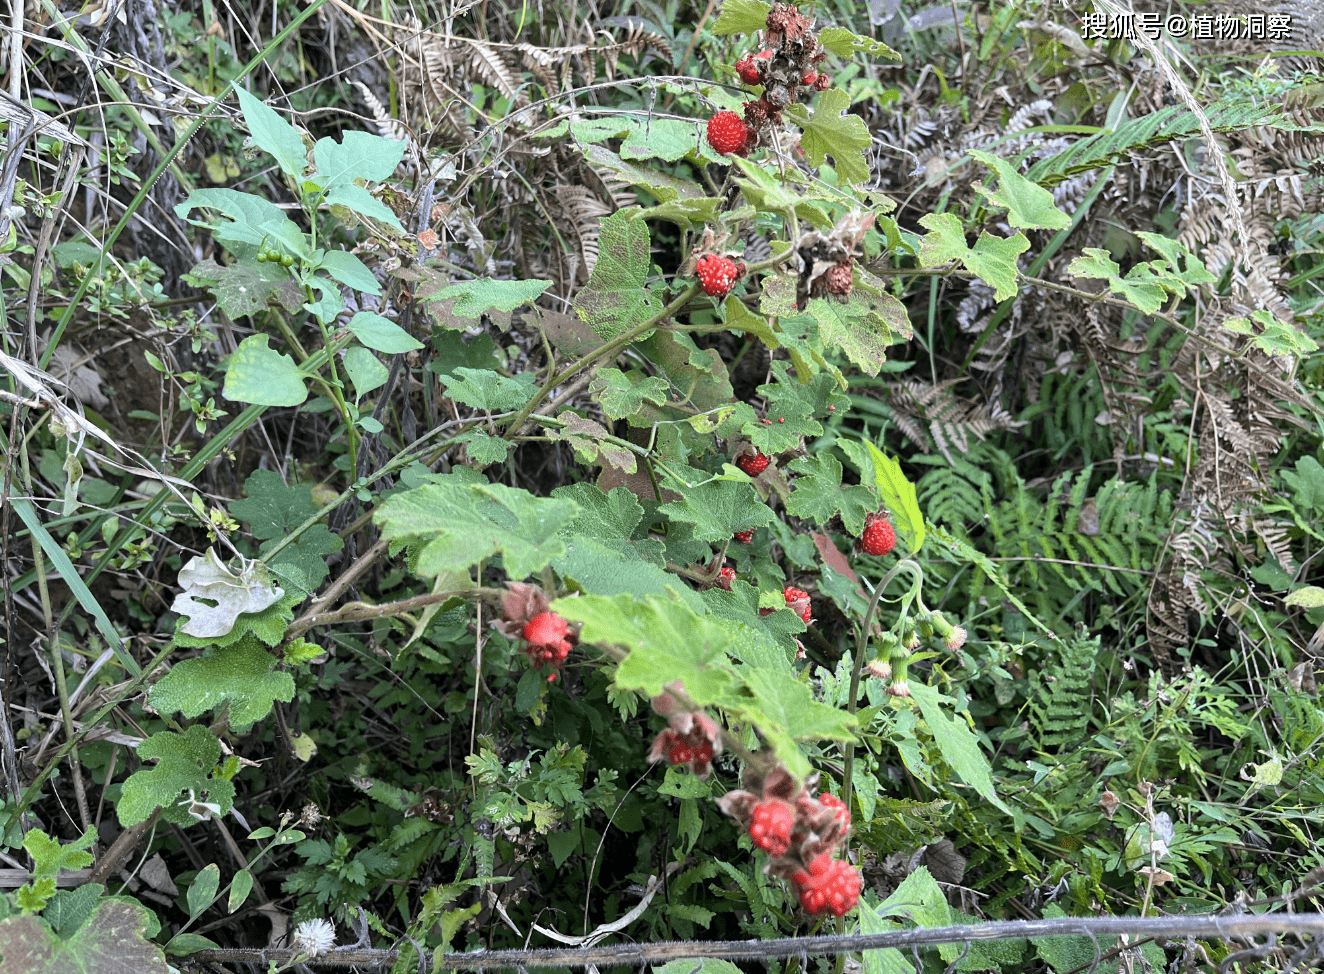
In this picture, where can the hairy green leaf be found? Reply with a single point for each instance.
(262, 376)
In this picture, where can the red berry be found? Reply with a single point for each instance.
(753, 463)
(830, 885)
(717, 274)
(727, 133)
(798, 600)
(771, 826)
(822, 82)
(879, 536)
(833, 802)
(808, 78)
(681, 754)
(725, 578)
(745, 537)
(748, 70)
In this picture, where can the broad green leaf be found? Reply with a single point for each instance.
(958, 744)
(663, 186)
(920, 899)
(275, 135)
(718, 509)
(243, 675)
(1276, 338)
(1308, 597)
(489, 390)
(615, 567)
(204, 888)
(1027, 203)
(382, 334)
(683, 213)
(785, 705)
(351, 272)
(111, 941)
(359, 155)
(1146, 296)
(273, 510)
(1182, 264)
(365, 370)
(69, 909)
(819, 494)
(484, 448)
(1063, 954)
(741, 17)
(830, 131)
(845, 43)
(789, 421)
(888, 960)
(362, 202)
(245, 288)
(622, 395)
(183, 944)
(485, 294)
(1307, 482)
(183, 776)
(896, 492)
(590, 442)
(240, 887)
(859, 327)
(668, 139)
(993, 258)
(667, 641)
(49, 855)
(615, 300)
(263, 376)
(253, 220)
(452, 526)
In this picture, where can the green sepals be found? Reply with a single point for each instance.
(1276, 338)
(741, 17)
(242, 676)
(184, 777)
(830, 131)
(1027, 203)
(992, 258)
(718, 509)
(615, 300)
(819, 494)
(452, 525)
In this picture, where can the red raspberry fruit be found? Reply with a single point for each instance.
(753, 463)
(879, 536)
(748, 70)
(835, 803)
(808, 78)
(546, 635)
(831, 885)
(745, 537)
(680, 754)
(798, 600)
(717, 274)
(771, 826)
(727, 133)
(725, 577)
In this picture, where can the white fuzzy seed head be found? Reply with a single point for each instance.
(314, 937)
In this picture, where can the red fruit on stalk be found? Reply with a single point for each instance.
(717, 274)
(830, 885)
(725, 577)
(879, 536)
(745, 537)
(753, 463)
(771, 826)
(727, 133)
(798, 599)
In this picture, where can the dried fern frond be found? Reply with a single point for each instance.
(922, 411)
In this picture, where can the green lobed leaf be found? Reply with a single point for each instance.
(615, 300)
(69, 909)
(452, 526)
(993, 258)
(622, 395)
(830, 131)
(1027, 203)
(489, 390)
(485, 449)
(820, 495)
(844, 43)
(185, 772)
(262, 376)
(483, 294)
(274, 135)
(273, 510)
(1182, 264)
(241, 676)
(110, 941)
(49, 855)
(1096, 262)
(1276, 338)
(741, 17)
(718, 509)
(359, 155)
(667, 641)
(958, 744)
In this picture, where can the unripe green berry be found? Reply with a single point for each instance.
(286, 260)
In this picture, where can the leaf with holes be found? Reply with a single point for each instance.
(206, 579)
(1147, 295)
(186, 774)
(830, 131)
(992, 258)
(110, 941)
(615, 300)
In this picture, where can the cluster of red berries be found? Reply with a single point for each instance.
(717, 274)
(692, 738)
(799, 832)
(788, 61)
(547, 638)
(797, 600)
